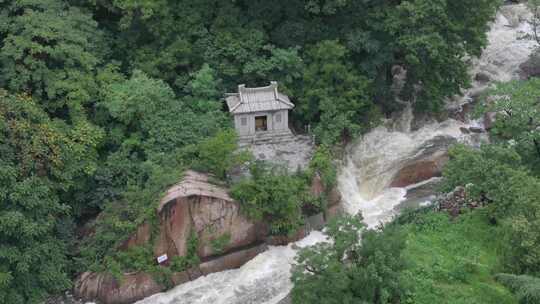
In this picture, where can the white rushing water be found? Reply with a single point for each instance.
(264, 279)
(363, 181)
(372, 163)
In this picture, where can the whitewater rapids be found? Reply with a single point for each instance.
(363, 181)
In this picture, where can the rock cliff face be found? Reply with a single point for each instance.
(198, 207)
(195, 206)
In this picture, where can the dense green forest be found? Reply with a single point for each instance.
(104, 103)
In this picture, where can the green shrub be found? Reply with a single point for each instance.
(321, 163)
(345, 271)
(219, 154)
(527, 288)
(191, 259)
(218, 244)
(274, 196)
(452, 260)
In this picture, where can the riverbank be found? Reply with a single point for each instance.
(454, 260)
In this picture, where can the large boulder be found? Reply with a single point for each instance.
(197, 207)
(531, 67)
(106, 289)
(420, 170)
(141, 236)
(427, 162)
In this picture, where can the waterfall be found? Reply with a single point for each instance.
(374, 160)
(364, 179)
(372, 163)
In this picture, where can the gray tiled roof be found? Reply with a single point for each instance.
(261, 99)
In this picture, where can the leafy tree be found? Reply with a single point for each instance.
(334, 95)
(219, 154)
(343, 271)
(518, 117)
(322, 164)
(273, 196)
(326, 7)
(40, 161)
(53, 58)
(151, 138)
(431, 39)
(495, 174)
(145, 120)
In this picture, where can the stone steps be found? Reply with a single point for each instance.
(267, 138)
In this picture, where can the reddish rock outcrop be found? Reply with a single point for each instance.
(196, 206)
(193, 207)
(334, 207)
(136, 286)
(140, 237)
(420, 170)
(106, 289)
(317, 186)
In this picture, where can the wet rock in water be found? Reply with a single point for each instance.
(280, 240)
(286, 300)
(464, 130)
(476, 130)
(482, 77)
(531, 67)
(420, 170)
(231, 261)
(421, 194)
(315, 222)
(428, 161)
(515, 14)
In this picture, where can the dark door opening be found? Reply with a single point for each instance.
(261, 123)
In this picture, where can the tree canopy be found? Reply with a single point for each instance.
(105, 102)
